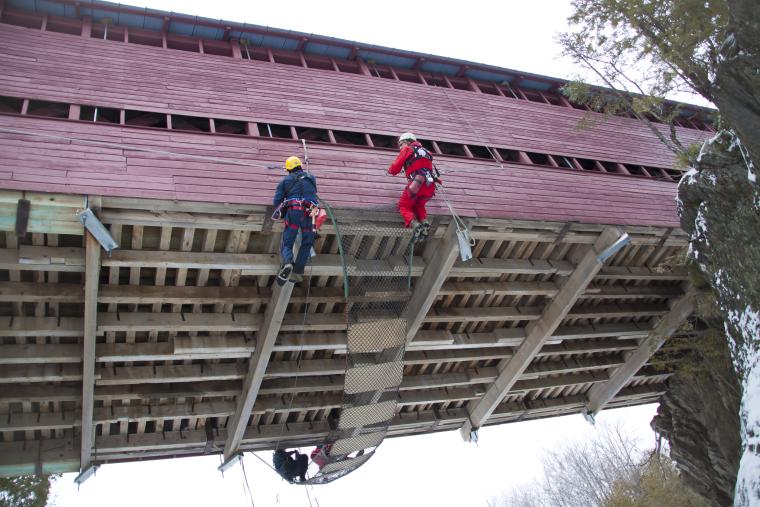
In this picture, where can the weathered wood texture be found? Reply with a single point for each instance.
(186, 357)
(175, 338)
(56, 67)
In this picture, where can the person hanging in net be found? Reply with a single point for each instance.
(417, 163)
(296, 201)
(289, 467)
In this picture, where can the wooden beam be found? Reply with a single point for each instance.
(601, 394)
(92, 276)
(538, 333)
(148, 294)
(257, 367)
(72, 259)
(58, 455)
(426, 288)
(234, 345)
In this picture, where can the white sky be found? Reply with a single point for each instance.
(437, 469)
(424, 470)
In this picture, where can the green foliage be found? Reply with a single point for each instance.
(26, 490)
(643, 51)
(658, 483)
(677, 41)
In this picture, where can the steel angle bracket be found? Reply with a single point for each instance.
(86, 474)
(230, 462)
(97, 229)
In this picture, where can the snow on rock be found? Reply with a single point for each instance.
(718, 203)
(748, 479)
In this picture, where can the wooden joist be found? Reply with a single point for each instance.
(238, 345)
(72, 259)
(58, 455)
(538, 333)
(600, 395)
(148, 294)
(257, 367)
(426, 289)
(92, 276)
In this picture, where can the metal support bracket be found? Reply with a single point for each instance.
(97, 229)
(614, 248)
(589, 416)
(86, 474)
(238, 456)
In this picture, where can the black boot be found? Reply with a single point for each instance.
(284, 274)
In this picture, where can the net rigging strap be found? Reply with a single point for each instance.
(375, 344)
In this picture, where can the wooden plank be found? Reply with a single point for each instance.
(59, 455)
(92, 276)
(238, 346)
(601, 394)
(257, 367)
(537, 333)
(71, 259)
(41, 292)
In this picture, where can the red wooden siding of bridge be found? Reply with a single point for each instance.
(79, 70)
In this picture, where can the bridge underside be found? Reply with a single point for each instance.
(178, 343)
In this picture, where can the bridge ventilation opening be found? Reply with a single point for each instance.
(21, 18)
(111, 32)
(381, 141)
(313, 134)
(64, 25)
(452, 149)
(553, 99)
(318, 62)
(408, 76)
(459, 83)
(49, 109)
(613, 167)
(563, 162)
(286, 57)
(508, 155)
(274, 130)
(538, 158)
(489, 88)
(217, 47)
(183, 43)
(146, 38)
(479, 151)
(190, 123)
(145, 119)
(351, 67)
(343, 137)
(10, 105)
(229, 127)
(586, 164)
(103, 114)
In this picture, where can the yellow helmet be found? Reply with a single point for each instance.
(292, 163)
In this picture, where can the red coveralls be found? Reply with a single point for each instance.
(411, 205)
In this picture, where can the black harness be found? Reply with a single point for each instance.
(429, 176)
(291, 202)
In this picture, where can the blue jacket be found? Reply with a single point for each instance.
(298, 184)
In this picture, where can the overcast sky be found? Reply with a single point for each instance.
(435, 469)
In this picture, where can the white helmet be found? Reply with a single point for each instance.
(406, 137)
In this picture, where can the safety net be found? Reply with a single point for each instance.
(375, 258)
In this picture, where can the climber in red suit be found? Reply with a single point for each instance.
(417, 163)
